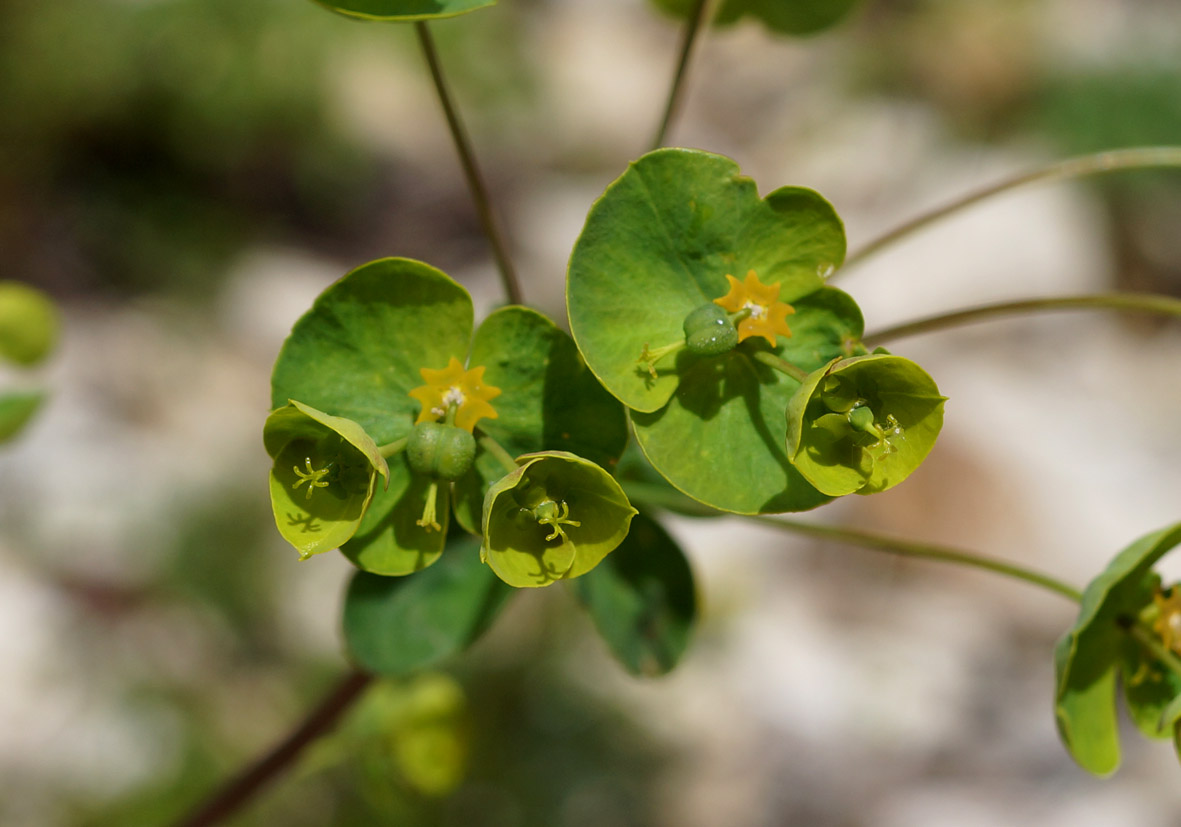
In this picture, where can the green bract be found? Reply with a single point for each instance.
(404, 9)
(788, 16)
(399, 625)
(324, 476)
(656, 249)
(556, 517)
(358, 353)
(28, 324)
(642, 599)
(863, 424)
(1117, 606)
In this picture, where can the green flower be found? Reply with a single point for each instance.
(324, 476)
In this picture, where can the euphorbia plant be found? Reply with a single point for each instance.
(702, 315)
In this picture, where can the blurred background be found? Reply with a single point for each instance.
(184, 176)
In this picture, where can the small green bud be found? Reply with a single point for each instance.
(709, 331)
(440, 451)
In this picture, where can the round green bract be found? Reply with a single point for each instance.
(404, 10)
(721, 438)
(1089, 658)
(357, 354)
(29, 324)
(316, 519)
(515, 544)
(825, 442)
(659, 243)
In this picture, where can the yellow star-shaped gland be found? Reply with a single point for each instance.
(768, 315)
(454, 386)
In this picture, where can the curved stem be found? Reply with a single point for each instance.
(1127, 302)
(497, 450)
(1083, 165)
(467, 160)
(239, 790)
(396, 447)
(781, 365)
(927, 551)
(697, 16)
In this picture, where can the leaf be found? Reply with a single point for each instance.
(323, 477)
(1087, 657)
(549, 401)
(17, 408)
(404, 10)
(554, 518)
(729, 412)
(642, 600)
(390, 541)
(840, 452)
(659, 243)
(398, 625)
(29, 324)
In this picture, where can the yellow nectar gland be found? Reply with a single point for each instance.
(458, 390)
(767, 316)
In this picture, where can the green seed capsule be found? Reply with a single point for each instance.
(709, 331)
(439, 451)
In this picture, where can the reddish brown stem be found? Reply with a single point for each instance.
(243, 787)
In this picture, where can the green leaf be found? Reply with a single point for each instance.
(659, 243)
(863, 424)
(398, 625)
(357, 354)
(549, 401)
(1088, 656)
(17, 408)
(554, 518)
(1149, 689)
(730, 410)
(29, 324)
(323, 477)
(642, 599)
(404, 10)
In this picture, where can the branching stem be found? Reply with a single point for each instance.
(1078, 167)
(1126, 302)
(698, 16)
(471, 171)
(243, 787)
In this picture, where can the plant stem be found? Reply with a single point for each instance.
(1155, 648)
(781, 365)
(927, 551)
(467, 160)
(395, 447)
(497, 450)
(697, 16)
(243, 787)
(1080, 166)
(1128, 302)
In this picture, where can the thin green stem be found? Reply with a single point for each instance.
(1154, 647)
(781, 365)
(1078, 167)
(497, 450)
(471, 171)
(697, 17)
(926, 551)
(1126, 302)
(395, 447)
(240, 789)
